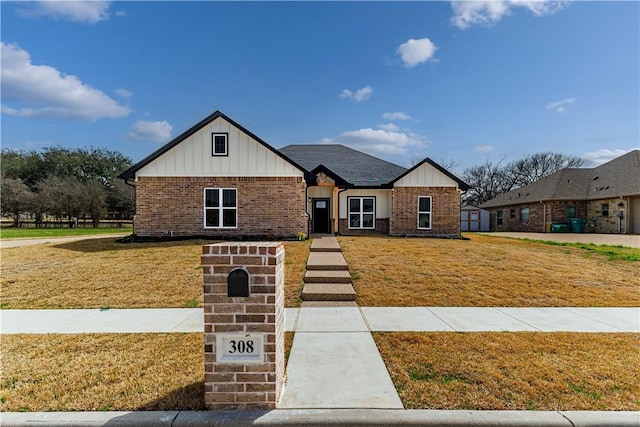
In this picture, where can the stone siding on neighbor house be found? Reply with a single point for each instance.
(382, 227)
(268, 207)
(610, 223)
(515, 223)
(445, 211)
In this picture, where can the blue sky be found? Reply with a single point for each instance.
(454, 81)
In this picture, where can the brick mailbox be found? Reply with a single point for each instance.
(243, 324)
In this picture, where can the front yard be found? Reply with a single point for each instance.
(535, 371)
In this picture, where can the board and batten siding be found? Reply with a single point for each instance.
(193, 157)
(426, 176)
(383, 201)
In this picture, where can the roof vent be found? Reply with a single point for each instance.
(595, 178)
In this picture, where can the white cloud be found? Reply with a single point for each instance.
(389, 127)
(397, 115)
(378, 141)
(488, 12)
(86, 12)
(41, 91)
(144, 130)
(559, 106)
(483, 148)
(604, 155)
(359, 95)
(123, 93)
(414, 52)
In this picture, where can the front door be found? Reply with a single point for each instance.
(321, 217)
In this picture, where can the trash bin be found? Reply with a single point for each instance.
(577, 225)
(559, 227)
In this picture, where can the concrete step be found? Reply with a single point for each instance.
(326, 261)
(328, 292)
(328, 304)
(321, 276)
(325, 244)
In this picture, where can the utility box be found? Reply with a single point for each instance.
(243, 324)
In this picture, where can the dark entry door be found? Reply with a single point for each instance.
(321, 216)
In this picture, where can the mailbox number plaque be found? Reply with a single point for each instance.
(239, 348)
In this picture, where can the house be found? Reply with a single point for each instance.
(607, 197)
(218, 179)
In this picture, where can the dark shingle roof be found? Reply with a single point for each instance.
(352, 166)
(619, 177)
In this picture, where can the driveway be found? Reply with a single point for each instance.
(14, 243)
(630, 240)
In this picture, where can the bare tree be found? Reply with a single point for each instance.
(16, 198)
(491, 179)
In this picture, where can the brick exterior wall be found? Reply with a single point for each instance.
(382, 227)
(539, 221)
(244, 385)
(445, 211)
(268, 207)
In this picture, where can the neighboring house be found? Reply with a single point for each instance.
(218, 179)
(474, 219)
(607, 197)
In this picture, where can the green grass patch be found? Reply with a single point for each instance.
(15, 233)
(612, 252)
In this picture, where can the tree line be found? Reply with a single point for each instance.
(83, 183)
(64, 184)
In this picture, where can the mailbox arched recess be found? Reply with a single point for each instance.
(238, 283)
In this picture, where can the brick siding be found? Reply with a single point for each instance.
(445, 211)
(268, 207)
(382, 227)
(241, 385)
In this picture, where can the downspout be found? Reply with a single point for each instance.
(544, 216)
(306, 209)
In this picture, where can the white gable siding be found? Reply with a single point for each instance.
(383, 201)
(193, 157)
(426, 176)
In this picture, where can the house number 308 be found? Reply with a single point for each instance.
(240, 346)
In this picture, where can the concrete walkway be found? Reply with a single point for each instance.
(333, 319)
(19, 242)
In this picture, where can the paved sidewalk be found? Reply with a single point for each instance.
(325, 418)
(333, 319)
(19, 242)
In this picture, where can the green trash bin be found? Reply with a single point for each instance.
(577, 225)
(559, 227)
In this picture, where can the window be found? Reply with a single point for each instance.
(219, 144)
(220, 208)
(362, 212)
(572, 212)
(512, 213)
(499, 217)
(424, 213)
(524, 215)
(605, 209)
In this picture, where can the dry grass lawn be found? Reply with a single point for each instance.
(98, 273)
(99, 372)
(486, 271)
(516, 371)
(102, 372)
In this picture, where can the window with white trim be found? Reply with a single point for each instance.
(524, 214)
(424, 212)
(219, 144)
(362, 212)
(220, 208)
